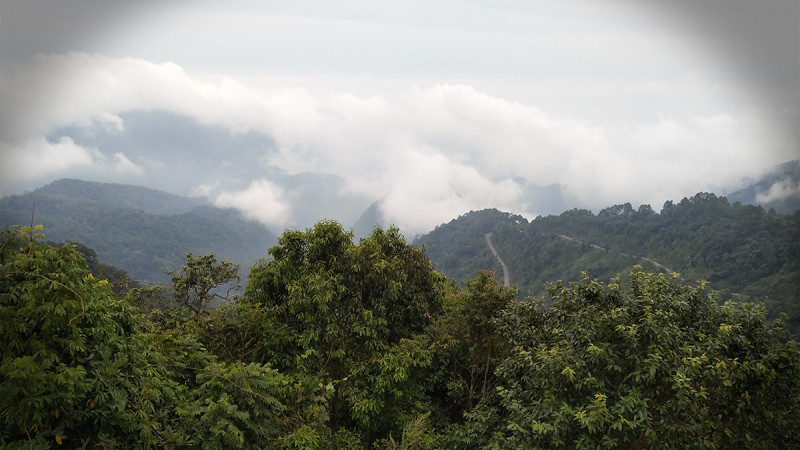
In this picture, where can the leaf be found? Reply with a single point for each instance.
(58, 440)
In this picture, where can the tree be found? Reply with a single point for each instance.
(653, 364)
(201, 279)
(466, 335)
(352, 315)
(120, 281)
(74, 370)
(78, 369)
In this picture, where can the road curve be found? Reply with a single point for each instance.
(651, 261)
(506, 278)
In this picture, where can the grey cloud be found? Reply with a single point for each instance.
(46, 26)
(758, 42)
(182, 153)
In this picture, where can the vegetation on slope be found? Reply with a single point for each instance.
(343, 345)
(743, 251)
(142, 231)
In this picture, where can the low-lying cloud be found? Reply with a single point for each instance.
(782, 190)
(39, 158)
(427, 153)
(261, 201)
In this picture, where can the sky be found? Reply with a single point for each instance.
(430, 108)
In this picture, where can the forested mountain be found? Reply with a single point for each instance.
(743, 251)
(148, 200)
(142, 231)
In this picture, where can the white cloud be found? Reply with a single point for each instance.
(37, 158)
(781, 190)
(426, 189)
(428, 153)
(40, 158)
(206, 190)
(261, 201)
(122, 164)
(111, 122)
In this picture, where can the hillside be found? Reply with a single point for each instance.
(148, 200)
(142, 231)
(743, 251)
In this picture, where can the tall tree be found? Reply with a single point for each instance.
(467, 337)
(202, 281)
(351, 314)
(78, 369)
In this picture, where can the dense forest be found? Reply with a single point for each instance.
(143, 231)
(338, 344)
(743, 251)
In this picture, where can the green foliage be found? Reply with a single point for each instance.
(139, 230)
(466, 341)
(743, 251)
(201, 279)
(417, 435)
(337, 345)
(653, 364)
(79, 368)
(350, 314)
(120, 281)
(73, 368)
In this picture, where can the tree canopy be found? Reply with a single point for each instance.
(743, 251)
(642, 363)
(336, 344)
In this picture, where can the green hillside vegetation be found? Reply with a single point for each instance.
(139, 230)
(743, 251)
(459, 247)
(335, 344)
(148, 200)
(121, 282)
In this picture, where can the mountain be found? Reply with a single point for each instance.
(779, 189)
(188, 156)
(319, 196)
(370, 219)
(743, 251)
(148, 200)
(459, 248)
(537, 200)
(142, 231)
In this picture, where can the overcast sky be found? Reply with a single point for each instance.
(433, 108)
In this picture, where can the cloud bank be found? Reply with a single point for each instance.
(428, 152)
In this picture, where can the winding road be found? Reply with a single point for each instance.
(651, 261)
(506, 278)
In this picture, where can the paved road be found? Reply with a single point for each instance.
(653, 262)
(506, 278)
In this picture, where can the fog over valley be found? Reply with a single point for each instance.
(294, 113)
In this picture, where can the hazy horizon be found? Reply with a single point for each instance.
(431, 109)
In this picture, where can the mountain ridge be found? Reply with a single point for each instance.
(143, 240)
(743, 251)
